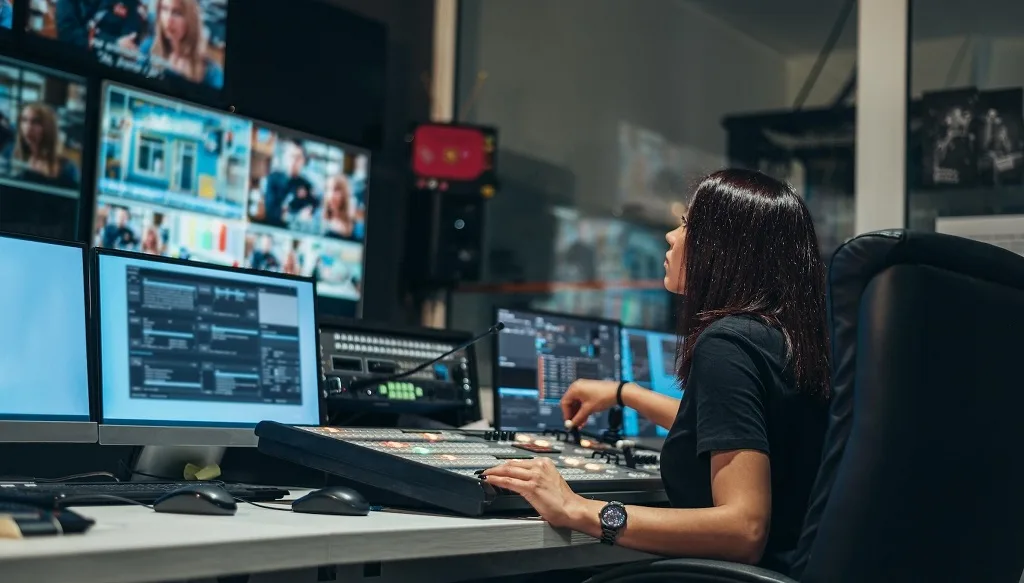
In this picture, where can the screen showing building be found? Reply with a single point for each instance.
(181, 42)
(188, 182)
(539, 355)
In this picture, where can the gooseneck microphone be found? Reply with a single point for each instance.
(375, 380)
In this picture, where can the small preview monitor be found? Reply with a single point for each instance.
(42, 132)
(184, 181)
(44, 356)
(648, 360)
(184, 345)
(538, 355)
(181, 42)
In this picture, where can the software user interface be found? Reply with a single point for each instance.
(44, 367)
(648, 360)
(539, 355)
(184, 344)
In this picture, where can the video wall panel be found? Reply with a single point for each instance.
(181, 180)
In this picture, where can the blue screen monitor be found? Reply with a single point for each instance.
(648, 360)
(192, 354)
(538, 355)
(44, 356)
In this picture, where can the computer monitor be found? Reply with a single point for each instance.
(648, 360)
(44, 354)
(135, 36)
(193, 354)
(185, 181)
(538, 355)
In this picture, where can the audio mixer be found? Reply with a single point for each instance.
(440, 469)
(365, 368)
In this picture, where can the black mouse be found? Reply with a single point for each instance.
(199, 499)
(333, 500)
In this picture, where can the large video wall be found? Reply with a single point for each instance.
(112, 132)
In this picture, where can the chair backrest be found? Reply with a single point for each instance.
(922, 476)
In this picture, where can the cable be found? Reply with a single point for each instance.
(257, 505)
(826, 50)
(70, 500)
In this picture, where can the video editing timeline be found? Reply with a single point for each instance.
(440, 469)
(199, 337)
(539, 355)
(648, 359)
(351, 352)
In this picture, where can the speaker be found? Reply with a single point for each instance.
(446, 237)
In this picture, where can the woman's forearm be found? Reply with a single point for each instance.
(651, 405)
(715, 533)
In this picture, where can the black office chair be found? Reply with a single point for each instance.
(922, 478)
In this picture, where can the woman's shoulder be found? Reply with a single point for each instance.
(746, 329)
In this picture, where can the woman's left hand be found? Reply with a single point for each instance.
(539, 482)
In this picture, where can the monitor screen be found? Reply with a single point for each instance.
(539, 355)
(42, 128)
(183, 344)
(648, 360)
(43, 351)
(183, 181)
(181, 42)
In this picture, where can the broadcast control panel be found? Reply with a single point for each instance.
(361, 363)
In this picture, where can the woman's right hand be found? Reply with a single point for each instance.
(586, 397)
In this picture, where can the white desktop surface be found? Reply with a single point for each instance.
(131, 544)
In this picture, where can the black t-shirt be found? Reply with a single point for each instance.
(740, 394)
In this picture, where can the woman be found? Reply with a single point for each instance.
(179, 43)
(338, 221)
(745, 441)
(37, 154)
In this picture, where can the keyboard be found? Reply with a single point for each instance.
(51, 494)
(34, 521)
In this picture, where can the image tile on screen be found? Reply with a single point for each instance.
(42, 129)
(183, 344)
(184, 181)
(648, 360)
(540, 355)
(44, 368)
(181, 42)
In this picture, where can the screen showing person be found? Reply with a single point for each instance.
(183, 181)
(42, 127)
(186, 344)
(43, 356)
(648, 360)
(539, 355)
(307, 186)
(180, 41)
(6, 14)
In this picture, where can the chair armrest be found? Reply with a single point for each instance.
(689, 571)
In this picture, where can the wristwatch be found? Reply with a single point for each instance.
(613, 520)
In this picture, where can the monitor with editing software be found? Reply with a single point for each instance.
(538, 355)
(192, 354)
(648, 360)
(44, 354)
(185, 181)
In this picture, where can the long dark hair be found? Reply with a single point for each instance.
(751, 249)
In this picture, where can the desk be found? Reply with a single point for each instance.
(130, 544)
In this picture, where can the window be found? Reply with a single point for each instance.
(150, 156)
(186, 174)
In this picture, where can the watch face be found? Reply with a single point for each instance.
(613, 516)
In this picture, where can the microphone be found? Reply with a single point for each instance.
(375, 380)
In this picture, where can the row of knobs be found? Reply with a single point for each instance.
(494, 435)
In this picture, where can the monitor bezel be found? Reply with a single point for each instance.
(183, 435)
(496, 400)
(102, 107)
(38, 430)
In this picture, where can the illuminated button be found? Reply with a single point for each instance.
(522, 438)
(383, 390)
(586, 442)
(541, 442)
(594, 467)
(572, 461)
(419, 391)
(421, 450)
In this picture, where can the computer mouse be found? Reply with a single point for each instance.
(206, 499)
(333, 500)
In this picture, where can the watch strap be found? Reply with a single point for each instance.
(618, 394)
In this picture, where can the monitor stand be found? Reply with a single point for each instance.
(167, 462)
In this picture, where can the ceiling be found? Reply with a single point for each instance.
(802, 26)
